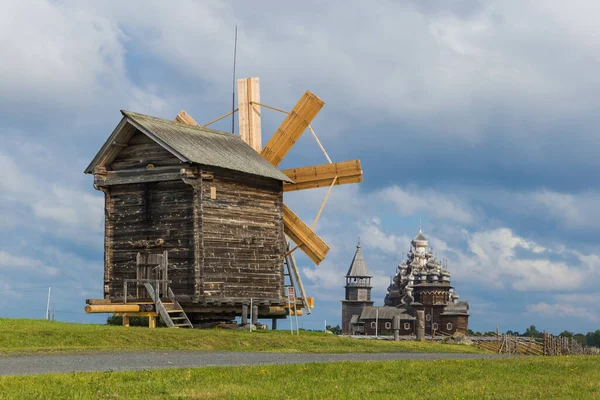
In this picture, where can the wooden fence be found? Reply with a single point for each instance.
(547, 345)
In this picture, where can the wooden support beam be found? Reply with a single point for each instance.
(112, 308)
(185, 118)
(126, 320)
(249, 112)
(301, 234)
(292, 128)
(323, 175)
(139, 175)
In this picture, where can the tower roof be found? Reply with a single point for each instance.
(358, 268)
(420, 239)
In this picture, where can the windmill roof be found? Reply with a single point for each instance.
(194, 144)
(358, 267)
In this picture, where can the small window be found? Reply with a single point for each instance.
(388, 325)
(428, 317)
(373, 325)
(407, 326)
(435, 326)
(448, 326)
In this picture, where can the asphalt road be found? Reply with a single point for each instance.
(39, 364)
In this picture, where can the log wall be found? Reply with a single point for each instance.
(243, 238)
(223, 229)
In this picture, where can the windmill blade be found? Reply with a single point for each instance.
(292, 127)
(323, 175)
(301, 234)
(185, 118)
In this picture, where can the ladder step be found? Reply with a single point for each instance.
(181, 325)
(174, 311)
(178, 318)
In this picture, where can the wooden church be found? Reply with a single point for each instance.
(195, 223)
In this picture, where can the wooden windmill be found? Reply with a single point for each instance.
(282, 141)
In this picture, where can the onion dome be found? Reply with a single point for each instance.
(420, 240)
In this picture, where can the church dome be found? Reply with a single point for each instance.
(420, 240)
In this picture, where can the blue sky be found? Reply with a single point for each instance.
(478, 118)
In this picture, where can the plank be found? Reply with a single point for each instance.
(185, 118)
(317, 176)
(301, 234)
(292, 128)
(249, 113)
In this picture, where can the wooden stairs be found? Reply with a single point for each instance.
(170, 311)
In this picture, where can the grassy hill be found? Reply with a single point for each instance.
(27, 336)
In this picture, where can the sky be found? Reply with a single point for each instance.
(477, 118)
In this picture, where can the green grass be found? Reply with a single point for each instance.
(531, 378)
(38, 336)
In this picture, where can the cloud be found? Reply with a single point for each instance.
(500, 258)
(438, 205)
(562, 310)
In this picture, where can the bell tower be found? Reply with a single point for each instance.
(358, 290)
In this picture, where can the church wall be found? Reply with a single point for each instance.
(384, 327)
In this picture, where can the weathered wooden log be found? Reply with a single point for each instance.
(111, 308)
(420, 325)
(396, 327)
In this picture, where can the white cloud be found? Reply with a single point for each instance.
(562, 310)
(9, 262)
(436, 204)
(500, 258)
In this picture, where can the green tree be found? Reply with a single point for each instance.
(336, 330)
(593, 338)
(567, 334)
(532, 331)
(580, 337)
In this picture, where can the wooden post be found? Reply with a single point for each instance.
(151, 321)
(244, 314)
(420, 325)
(249, 112)
(254, 315)
(396, 327)
(274, 324)
(126, 320)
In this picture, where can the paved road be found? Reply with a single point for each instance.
(39, 364)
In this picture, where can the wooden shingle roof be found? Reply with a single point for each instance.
(191, 144)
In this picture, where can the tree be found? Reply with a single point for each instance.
(580, 338)
(532, 332)
(566, 334)
(593, 338)
(336, 330)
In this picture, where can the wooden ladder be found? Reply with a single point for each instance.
(292, 273)
(171, 313)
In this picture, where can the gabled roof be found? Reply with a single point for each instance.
(358, 268)
(385, 312)
(191, 144)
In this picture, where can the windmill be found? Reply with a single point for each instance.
(282, 141)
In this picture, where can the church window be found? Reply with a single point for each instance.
(388, 325)
(449, 326)
(373, 325)
(428, 317)
(406, 325)
(435, 325)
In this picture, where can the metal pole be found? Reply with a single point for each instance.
(376, 320)
(325, 326)
(251, 322)
(48, 304)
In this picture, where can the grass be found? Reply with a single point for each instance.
(530, 378)
(18, 336)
